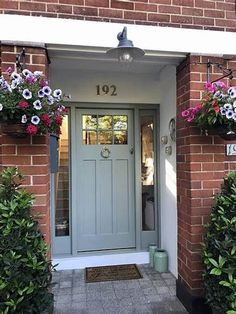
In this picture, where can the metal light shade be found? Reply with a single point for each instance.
(125, 52)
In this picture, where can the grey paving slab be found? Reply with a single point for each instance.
(155, 293)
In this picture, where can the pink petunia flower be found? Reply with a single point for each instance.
(31, 129)
(185, 113)
(31, 79)
(23, 104)
(45, 119)
(210, 87)
(221, 85)
(9, 70)
(216, 108)
(198, 107)
(58, 120)
(44, 83)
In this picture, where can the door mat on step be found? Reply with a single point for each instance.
(110, 273)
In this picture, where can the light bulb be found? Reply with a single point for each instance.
(125, 57)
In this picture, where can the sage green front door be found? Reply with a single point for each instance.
(105, 176)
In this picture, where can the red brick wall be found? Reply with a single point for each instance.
(201, 14)
(201, 166)
(30, 154)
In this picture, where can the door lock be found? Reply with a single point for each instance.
(131, 150)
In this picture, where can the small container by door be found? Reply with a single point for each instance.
(161, 261)
(152, 250)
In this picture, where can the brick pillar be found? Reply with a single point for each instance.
(201, 167)
(30, 154)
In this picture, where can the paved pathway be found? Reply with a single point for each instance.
(153, 294)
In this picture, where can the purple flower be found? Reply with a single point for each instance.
(31, 79)
(220, 84)
(44, 83)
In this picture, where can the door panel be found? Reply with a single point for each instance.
(105, 172)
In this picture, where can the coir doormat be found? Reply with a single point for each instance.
(110, 273)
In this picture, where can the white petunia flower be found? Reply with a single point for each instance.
(223, 111)
(24, 119)
(35, 120)
(229, 114)
(228, 106)
(1, 107)
(37, 104)
(40, 93)
(14, 84)
(217, 94)
(234, 116)
(27, 94)
(8, 87)
(57, 93)
(232, 92)
(26, 72)
(47, 90)
(15, 76)
(50, 100)
(38, 73)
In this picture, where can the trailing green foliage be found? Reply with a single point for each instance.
(25, 272)
(219, 250)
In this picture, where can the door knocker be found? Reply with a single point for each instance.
(105, 152)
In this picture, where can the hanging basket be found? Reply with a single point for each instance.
(13, 129)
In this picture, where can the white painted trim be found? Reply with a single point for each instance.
(81, 262)
(97, 34)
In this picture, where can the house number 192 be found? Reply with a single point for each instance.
(109, 90)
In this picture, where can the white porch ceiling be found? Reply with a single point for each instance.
(90, 59)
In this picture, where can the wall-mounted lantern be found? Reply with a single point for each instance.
(125, 51)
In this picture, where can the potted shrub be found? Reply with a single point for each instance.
(219, 250)
(25, 271)
(28, 105)
(216, 110)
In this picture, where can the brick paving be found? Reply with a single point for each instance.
(154, 293)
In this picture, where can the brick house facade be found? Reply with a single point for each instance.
(201, 163)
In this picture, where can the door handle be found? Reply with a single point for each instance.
(131, 150)
(105, 152)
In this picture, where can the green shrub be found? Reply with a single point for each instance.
(219, 250)
(25, 272)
